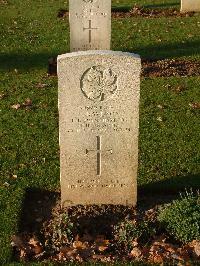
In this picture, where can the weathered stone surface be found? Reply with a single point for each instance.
(190, 5)
(98, 117)
(90, 25)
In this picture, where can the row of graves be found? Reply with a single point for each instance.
(99, 93)
(99, 111)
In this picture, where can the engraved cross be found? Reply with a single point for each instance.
(99, 153)
(90, 30)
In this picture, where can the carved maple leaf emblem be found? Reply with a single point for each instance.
(99, 83)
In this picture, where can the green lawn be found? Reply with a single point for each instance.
(29, 153)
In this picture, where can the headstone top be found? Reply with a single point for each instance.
(98, 52)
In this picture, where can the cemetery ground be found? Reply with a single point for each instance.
(31, 33)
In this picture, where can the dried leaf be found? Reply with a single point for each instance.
(160, 107)
(102, 258)
(2, 96)
(41, 85)
(35, 246)
(23, 254)
(159, 119)
(134, 243)
(27, 102)
(157, 259)
(80, 245)
(195, 244)
(194, 105)
(67, 251)
(102, 248)
(16, 106)
(135, 252)
(101, 243)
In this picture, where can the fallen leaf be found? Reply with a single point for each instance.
(80, 245)
(27, 102)
(6, 184)
(157, 259)
(194, 105)
(16, 106)
(134, 243)
(159, 119)
(67, 251)
(2, 96)
(135, 252)
(195, 244)
(36, 245)
(23, 254)
(160, 106)
(102, 258)
(101, 243)
(102, 248)
(41, 85)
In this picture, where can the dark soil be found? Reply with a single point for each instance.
(170, 67)
(91, 233)
(137, 11)
(155, 68)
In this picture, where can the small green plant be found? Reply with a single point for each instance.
(59, 232)
(128, 231)
(181, 218)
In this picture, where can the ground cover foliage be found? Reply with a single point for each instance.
(31, 33)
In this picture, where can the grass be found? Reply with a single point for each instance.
(30, 34)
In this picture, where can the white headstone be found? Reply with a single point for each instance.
(90, 25)
(190, 5)
(99, 119)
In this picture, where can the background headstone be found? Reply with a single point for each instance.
(99, 119)
(90, 25)
(190, 5)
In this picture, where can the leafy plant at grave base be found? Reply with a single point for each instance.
(181, 218)
(59, 232)
(129, 231)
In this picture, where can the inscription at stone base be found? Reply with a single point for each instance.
(99, 117)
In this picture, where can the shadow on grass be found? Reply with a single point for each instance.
(97, 220)
(171, 186)
(165, 191)
(38, 205)
(37, 208)
(127, 8)
(26, 62)
(168, 50)
(163, 5)
(124, 9)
